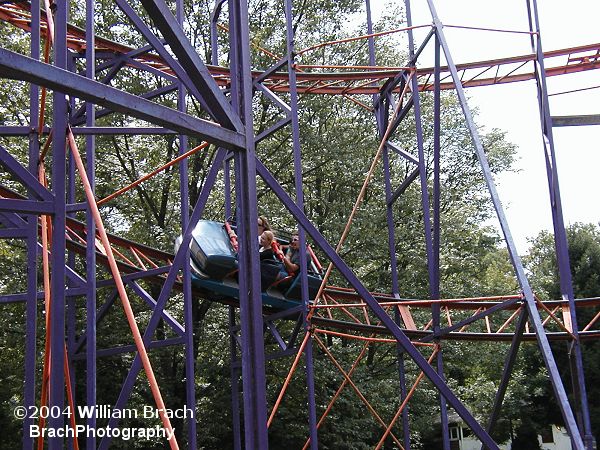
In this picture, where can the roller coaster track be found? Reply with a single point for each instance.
(351, 80)
(486, 318)
(471, 319)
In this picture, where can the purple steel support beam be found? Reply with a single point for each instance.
(405, 184)
(406, 155)
(166, 316)
(27, 206)
(158, 45)
(253, 359)
(13, 220)
(13, 233)
(390, 217)
(16, 66)
(115, 58)
(544, 345)
(178, 262)
(32, 253)
(308, 349)
(509, 363)
(233, 343)
(119, 63)
(270, 71)
(214, 37)
(272, 129)
(190, 360)
(195, 68)
(131, 348)
(98, 315)
(90, 252)
(71, 310)
(56, 386)
(381, 110)
(85, 131)
(275, 99)
(560, 234)
(363, 292)
(19, 130)
(105, 111)
(457, 325)
(24, 176)
(403, 392)
(435, 289)
(235, 382)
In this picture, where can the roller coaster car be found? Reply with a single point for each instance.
(214, 267)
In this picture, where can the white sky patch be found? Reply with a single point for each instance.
(513, 107)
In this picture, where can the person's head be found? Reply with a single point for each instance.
(263, 225)
(295, 240)
(266, 238)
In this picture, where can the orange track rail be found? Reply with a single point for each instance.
(353, 80)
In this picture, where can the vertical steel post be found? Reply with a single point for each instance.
(71, 311)
(381, 111)
(509, 363)
(90, 145)
(308, 350)
(432, 240)
(253, 358)
(435, 288)
(515, 258)
(32, 241)
(235, 381)
(190, 363)
(57, 310)
(233, 346)
(560, 235)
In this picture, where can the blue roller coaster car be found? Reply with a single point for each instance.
(214, 267)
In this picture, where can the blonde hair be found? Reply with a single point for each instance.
(269, 235)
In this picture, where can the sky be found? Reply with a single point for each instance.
(513, 107)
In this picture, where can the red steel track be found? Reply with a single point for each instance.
(486, 318)
(351, 80)
(483, 318)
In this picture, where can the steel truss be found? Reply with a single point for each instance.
(42, 219)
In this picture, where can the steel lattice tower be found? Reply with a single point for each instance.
(42, 220)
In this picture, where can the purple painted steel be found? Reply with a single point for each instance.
(71, 305)
(6, 233)
(13, 65)
(148, 96)
(405, 184)
(98, 131)
(56, 389)
(253, 359)
(509, 363)
(173, 63)
(190, 362)
(381, 111)
(178, 261)
(403, 340)
(24, 176)
(195, 68)
(308, 349)
(29, 391)
(435, 289)
(166, 316)
(515, 258)
(192, 68)
(27, 206)
(113, 351)
(560, 234)
(235, 381)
